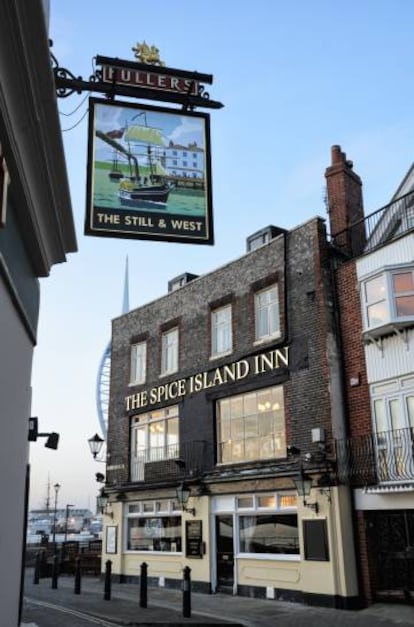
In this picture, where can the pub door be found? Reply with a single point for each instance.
(391, 538)
(225, 553)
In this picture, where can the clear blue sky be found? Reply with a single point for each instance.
(295, 78)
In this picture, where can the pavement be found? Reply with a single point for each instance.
(165, 607)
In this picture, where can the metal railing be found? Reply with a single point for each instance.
(381, 457)
(379, 228)
(186, 459)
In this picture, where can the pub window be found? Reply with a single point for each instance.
(269, 533)
(169, 351)
(267, 315)
(147, 531)
(138, 363)
(221, 331)
(251, 426)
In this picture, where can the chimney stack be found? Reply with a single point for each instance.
(345, 204)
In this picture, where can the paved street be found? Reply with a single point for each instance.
(46, 607)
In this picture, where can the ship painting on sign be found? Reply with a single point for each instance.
(147, 181)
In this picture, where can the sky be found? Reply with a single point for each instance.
(295, 78)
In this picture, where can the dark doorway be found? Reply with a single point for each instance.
(225, 553)
(391, 540)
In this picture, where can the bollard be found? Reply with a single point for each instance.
(186, 592)
(55, 572)
(107, 592)
(36, 574)
(143, 585)
(77, 576)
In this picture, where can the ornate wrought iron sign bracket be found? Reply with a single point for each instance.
(117, 77)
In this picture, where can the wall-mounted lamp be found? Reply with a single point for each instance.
(102, 501)
(52, 438)
(303, 485)
(183, 494)
(95, 445)
(324, 485)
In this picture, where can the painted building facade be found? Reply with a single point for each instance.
(36, 232)
(230, 387)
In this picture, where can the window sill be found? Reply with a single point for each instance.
(267, 339)
(167, 374)
(219, 355)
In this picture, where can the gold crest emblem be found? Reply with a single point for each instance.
(147, 54)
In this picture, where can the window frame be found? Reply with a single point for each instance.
(390, 300)
(217, 328)
(169, 352)
(272, 308)
(133, 379)
(230, 425)
(161, 509)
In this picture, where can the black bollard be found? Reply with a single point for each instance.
(77, 576)
(107, 592)
(143, 585)
(55, 572)
(36, 573)
(186, 592)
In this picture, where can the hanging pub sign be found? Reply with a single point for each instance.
(149, 173)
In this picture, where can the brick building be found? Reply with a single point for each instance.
(229, 389)
(375, 290)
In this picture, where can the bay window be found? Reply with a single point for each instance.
(388, 299)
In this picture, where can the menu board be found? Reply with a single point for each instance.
(194, 538)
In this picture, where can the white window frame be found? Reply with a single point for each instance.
(269, 310)
(392, 317)
(138, 372)
(394, 446)
(162, 508)
(222, 331)
(169, 351)
(144, 452)
(271, 443)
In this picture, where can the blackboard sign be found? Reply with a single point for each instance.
(194, 538)
(316, 540)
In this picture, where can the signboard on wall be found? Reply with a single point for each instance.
(149, 173)
(194, 538)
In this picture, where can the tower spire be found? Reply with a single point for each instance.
(125, 302)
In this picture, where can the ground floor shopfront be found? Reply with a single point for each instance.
(386, 539)
(260, 543)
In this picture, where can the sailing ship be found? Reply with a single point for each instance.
(143, 147)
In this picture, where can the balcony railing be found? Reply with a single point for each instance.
(379, 228)
(383, 457)
(175, 461)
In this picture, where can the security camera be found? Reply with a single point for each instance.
(308, 457)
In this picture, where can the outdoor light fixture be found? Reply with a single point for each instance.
(95, 445)
(103, 502)
(183, 494)
(52, 438)
(303, 485)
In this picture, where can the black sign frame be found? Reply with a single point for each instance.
(150, 219)
(194, 538)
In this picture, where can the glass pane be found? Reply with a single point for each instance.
(224, 407)
(274, 318)
(375, 289)
(250, 426)
(266, 423)
(250, 404)
(267, 447)
(237, 451)
(236, 404)
(377, 314)
(252, 448)
(267, 501)
(380, 417)
(226, 452)
(237, 429)
(403, 282)
(405, 306)
(397, 419)
(245, 501)
(269, 534)
(410, 410)
(224, 430)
